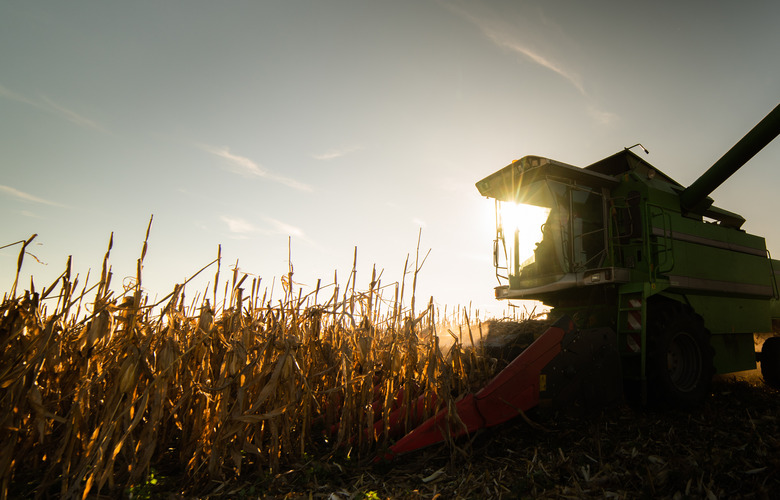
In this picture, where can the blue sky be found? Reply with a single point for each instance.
(352, 123)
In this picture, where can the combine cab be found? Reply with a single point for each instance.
(651, 287)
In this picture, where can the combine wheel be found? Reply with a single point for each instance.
(770, 362)
(679, 356)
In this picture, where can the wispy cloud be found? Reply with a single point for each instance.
(515, 36)
(500, 39)
(242, 228)
(21, 195)
(601, 116)
(249, 168)
(239, 164)
(46, 104)
(280, 227)
(335, 153)
(239, 226)
(71, 115)
(506, 36)
(419, 222)
(9, 94)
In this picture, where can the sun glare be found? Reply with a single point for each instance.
(527, 220)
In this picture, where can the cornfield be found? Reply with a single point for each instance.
(98, 388)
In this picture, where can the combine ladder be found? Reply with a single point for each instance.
(632, 332)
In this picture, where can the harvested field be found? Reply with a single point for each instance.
(248, 397)
(728, 449)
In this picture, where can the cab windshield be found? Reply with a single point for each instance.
(560, 231)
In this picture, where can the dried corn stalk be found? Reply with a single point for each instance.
(91, 404)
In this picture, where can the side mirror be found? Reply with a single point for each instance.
(495, 253)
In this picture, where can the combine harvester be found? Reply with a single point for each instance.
(651, 287)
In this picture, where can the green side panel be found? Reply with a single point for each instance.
(724, 315)
(734, 352)
(716, 264)
(717, 232)
(710, 253)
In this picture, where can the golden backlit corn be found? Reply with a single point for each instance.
(107, 394)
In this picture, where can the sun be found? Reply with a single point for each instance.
(522, 225)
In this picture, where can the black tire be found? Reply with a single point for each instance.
(679, 357)
(770, 362)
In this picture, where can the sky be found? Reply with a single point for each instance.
(309, 128)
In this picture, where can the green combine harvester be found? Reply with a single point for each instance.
(627, 248)
(652, 289)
